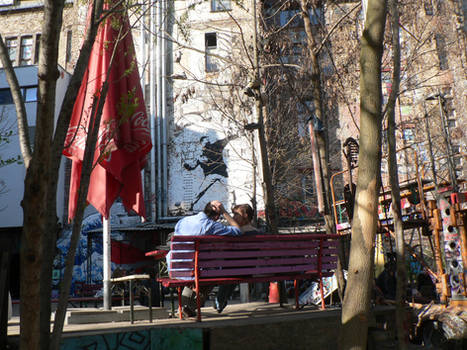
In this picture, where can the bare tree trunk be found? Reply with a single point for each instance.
(356, 308)
(268, 190)
(322, 176)
(36, 191)
(319, 147)
(394, 180)
(76, 232)
(39, 203)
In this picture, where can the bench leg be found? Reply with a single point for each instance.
(172, 302)
(179, 290)
(198, 303)
(321, 290)
(295, 286)
(150, 304)
(132, 316)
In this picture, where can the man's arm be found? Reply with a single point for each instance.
(221, 210)
(220, 229)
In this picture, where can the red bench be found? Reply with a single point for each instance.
(215, 260)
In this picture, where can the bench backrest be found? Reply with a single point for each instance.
(223, 257)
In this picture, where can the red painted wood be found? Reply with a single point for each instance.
(256, 253)
(257, 262)
(330, 263)
(248, 271)
(197, 275)
(269, 244)
(167, 282)
(265, 237)
(183, 255)
(157, 254)
(182, 245)
(262, 258)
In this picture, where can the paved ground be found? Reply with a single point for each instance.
(240, 324)
(235, 313)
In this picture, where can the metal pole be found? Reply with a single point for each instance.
(106, 262)
(158, 60)
(152, 107)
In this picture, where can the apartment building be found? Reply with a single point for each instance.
(430, 110)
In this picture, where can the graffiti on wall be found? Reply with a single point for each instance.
(154, 339)
(209, 158)
(211, 161)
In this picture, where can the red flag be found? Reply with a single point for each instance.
(124, 137)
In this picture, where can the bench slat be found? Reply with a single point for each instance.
(168, 282)
(246, 262)
(253, 253)
(256, 253)
(251, 271)
(185, 255)
(261, 238)
(263, 245)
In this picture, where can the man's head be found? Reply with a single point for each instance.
(243, 214)
(212, 211)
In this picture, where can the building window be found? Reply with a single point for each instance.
(210, 40)
(36, 48)
(428, 7)
(5, 97)
(220, 5)
(30, 94)
(291, 18)
(409, 134)
(457, 162)
(441, 49)
(11, 45)
(452, 123)
(68, 46)
(26, 51)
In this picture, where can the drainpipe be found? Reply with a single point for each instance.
(164, 106)
(152, 110)
(158, 60)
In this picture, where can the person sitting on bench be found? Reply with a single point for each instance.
(243, 215)
(203, 223)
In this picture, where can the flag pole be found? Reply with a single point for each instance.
(106, 262)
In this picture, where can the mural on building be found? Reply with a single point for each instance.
(209, 158)
(212, 162)
(89, 254)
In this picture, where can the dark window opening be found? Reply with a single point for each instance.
(441, 49)
(36, 49)
(5, 97)
(68, 46)
(210, 40)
